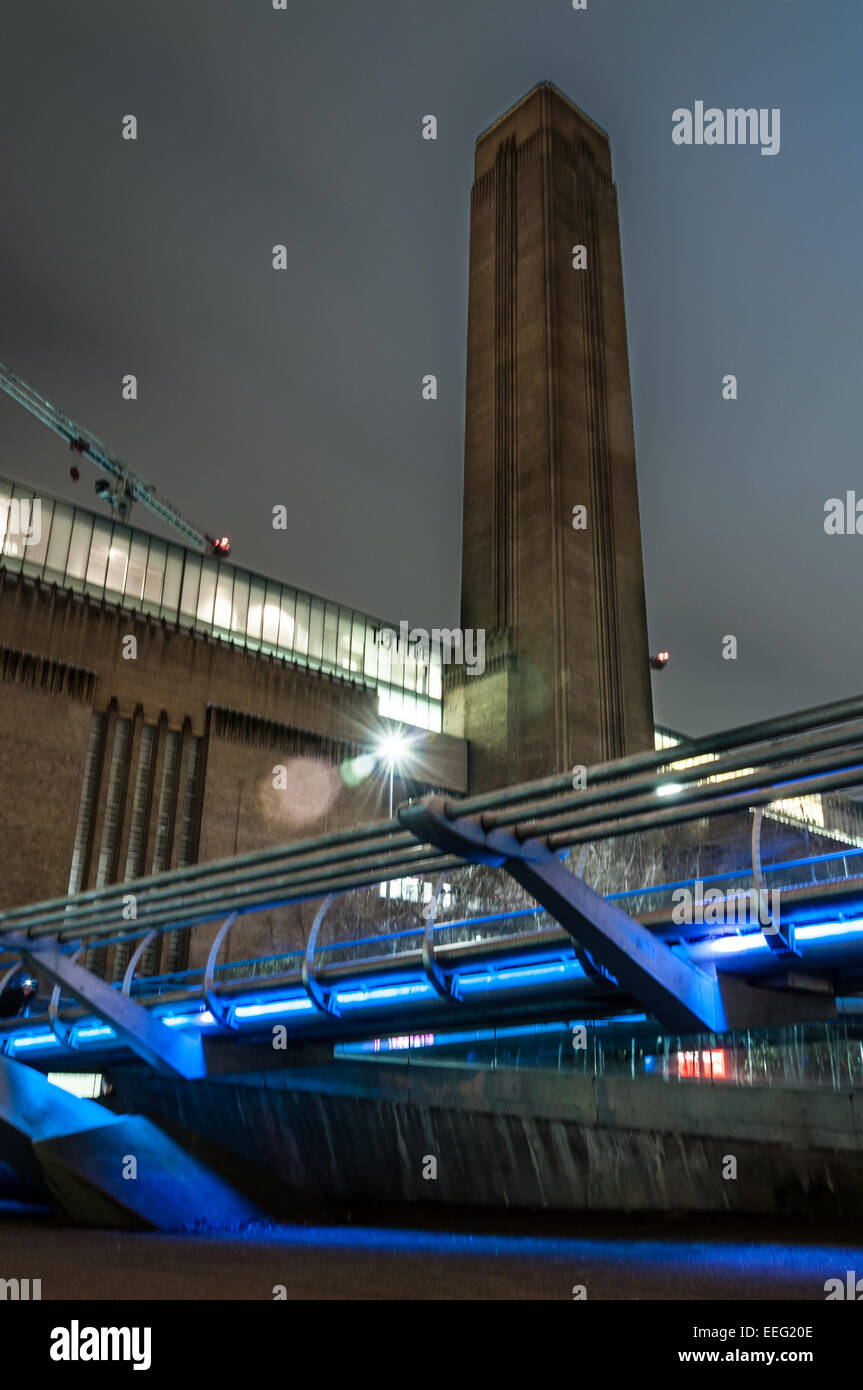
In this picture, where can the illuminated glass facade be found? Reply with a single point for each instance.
(76, 549)
(807, 811)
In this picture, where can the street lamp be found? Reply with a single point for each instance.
(390, 750)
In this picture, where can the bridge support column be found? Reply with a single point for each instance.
(84, 1155)
(683, 998)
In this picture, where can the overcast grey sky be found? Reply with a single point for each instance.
(303, 127)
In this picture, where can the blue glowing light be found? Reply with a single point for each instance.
(471, 1035)
(731, 945)
(275, 1006)
(373, 996)
(37, 1040)
(823, 931)
(519, 969)
(756, 941)
(203, 1018)
(526, 972)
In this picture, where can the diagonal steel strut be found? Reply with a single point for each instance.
(164, 1048)
(683, 998)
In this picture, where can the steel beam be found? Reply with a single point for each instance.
(165, 1049)
(785, 726)
(684, 998)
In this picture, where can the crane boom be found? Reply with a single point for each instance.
(127, 486)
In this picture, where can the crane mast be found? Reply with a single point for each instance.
(125, 486)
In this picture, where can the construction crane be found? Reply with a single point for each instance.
(125, 485)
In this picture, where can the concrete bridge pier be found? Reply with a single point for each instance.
(104, 1169)
(364, 1131)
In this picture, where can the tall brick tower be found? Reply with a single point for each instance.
(548, 429)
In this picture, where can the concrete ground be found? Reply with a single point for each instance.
(435, 1255)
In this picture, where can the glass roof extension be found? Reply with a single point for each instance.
(90, 554)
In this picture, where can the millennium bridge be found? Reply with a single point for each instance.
(740, 970)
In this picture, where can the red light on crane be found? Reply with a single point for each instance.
(659, 661)
(127, 486)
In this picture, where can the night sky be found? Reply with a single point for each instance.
(302, 127)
